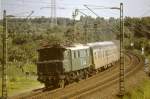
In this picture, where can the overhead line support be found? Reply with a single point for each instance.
(122, 68)
(4, 61)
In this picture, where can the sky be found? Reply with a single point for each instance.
(21, 8)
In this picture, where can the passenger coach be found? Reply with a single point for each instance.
(104, 54)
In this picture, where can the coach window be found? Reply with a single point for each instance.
(107, 53)
(82, 53)
(72, 54)
(75, 54)
(66, 54)
(78, 53)
(104, 54)
(95, 55)
(99, 53)
(87, 52)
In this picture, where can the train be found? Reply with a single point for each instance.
(59, 65)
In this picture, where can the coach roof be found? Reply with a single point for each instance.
(78, 47)
(101, 43)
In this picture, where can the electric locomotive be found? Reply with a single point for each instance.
(58, 65)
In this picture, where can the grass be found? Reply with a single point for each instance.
(18, 81)
(139, 92)
(18, 85)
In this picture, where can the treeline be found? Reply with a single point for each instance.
(26, 35)
(139, 32)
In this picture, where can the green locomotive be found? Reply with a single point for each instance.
(58, 66)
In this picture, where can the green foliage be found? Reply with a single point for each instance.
(69, 34)
(15, 70)
(18, 85)
(140, 92)
(140, 27)
(26, 36)
(30, 67)
(138, 32)
(21, 39)
(55, 29)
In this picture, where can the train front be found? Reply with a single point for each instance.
(50, 65)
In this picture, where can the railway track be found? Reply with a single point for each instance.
(136, 65)
(92, 84)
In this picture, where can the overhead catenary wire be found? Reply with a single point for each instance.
(42, 4)
(146, 12)
(23, 14)
(91, 10)
(102, 7)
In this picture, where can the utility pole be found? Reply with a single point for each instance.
(122, 71)
(85, 29)
(122, 68)
(85, 25)
(4, 62)
(53, 13)
(95, 24)
(74, 31)
(95, 31)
